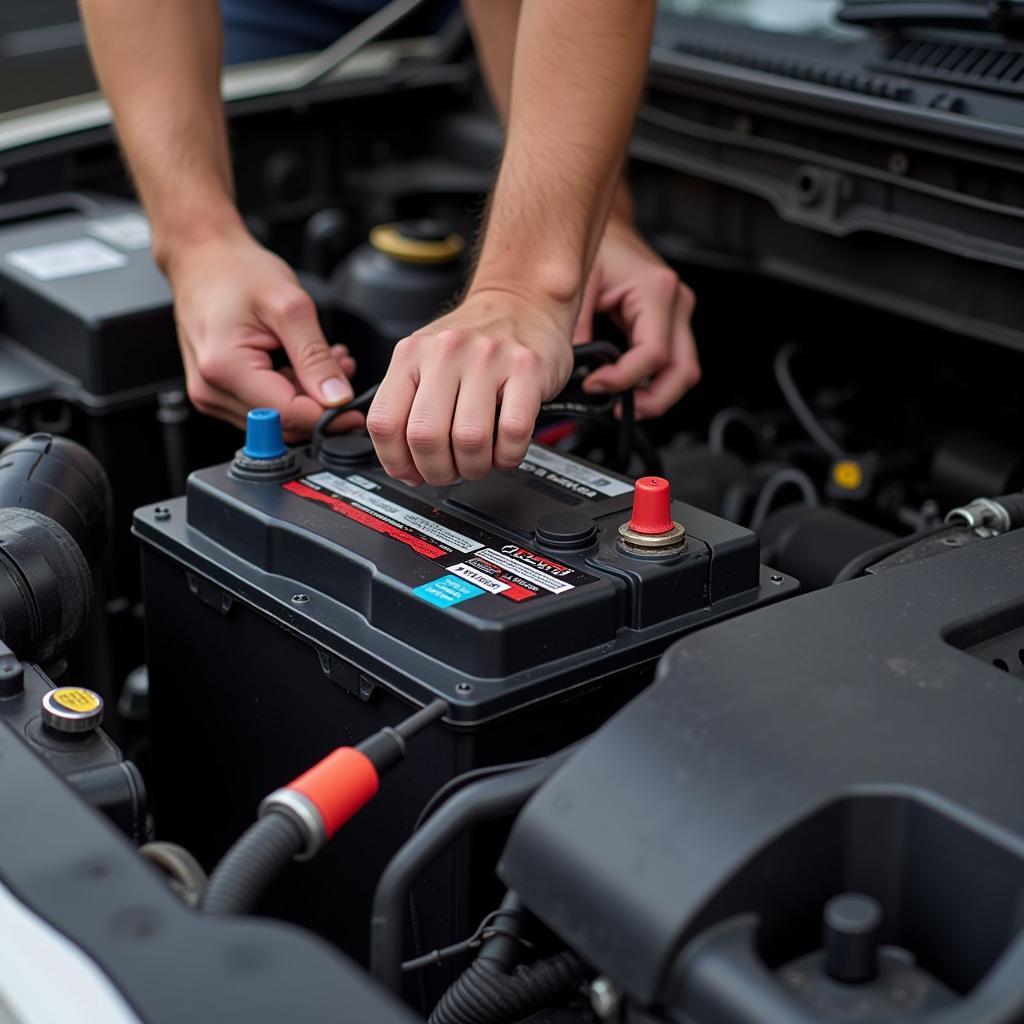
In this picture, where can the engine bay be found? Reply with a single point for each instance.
(707, 719)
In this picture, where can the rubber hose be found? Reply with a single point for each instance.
(488, 800)
(173, 415)
(858, 565)
(485, 995)
(1014, 505)
(254, 861)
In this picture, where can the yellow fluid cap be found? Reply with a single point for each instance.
(417, 241)
(72, 709)
(848, 475)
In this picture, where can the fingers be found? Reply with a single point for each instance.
(520, 405)
(648, 313)
(248, 379)
(430, 424)
(682, 373)
(389, 415)
(473, 426)
(345, 362)
(291, 315)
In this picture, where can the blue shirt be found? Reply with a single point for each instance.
(260, 29)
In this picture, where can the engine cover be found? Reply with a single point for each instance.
(865, 739)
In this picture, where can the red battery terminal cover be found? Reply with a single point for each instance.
(652, 506)
(651, 531)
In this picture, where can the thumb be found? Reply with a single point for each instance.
(291, 315)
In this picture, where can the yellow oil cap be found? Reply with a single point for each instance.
(417, 241)
(848, 475)
(72, 709)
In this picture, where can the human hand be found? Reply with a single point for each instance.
(645, 297)
(433, 419)
(236, 303)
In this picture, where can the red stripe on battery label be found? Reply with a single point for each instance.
(421, 547)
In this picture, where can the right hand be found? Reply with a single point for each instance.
(235, 303)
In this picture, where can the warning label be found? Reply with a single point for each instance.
(570, 475)
(492, 564)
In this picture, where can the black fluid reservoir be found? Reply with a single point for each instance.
(403, 277)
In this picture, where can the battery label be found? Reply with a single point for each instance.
(355, 490)
(570, 475)
(66, 259)
(485, 562)
(128, 231)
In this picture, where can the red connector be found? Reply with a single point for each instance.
(328, 795)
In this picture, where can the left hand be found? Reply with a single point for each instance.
(646, 298)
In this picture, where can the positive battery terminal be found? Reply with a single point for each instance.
(651, 529)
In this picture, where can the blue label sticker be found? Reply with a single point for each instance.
(446, 591)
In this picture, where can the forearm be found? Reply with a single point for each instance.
(577, 75)
(494, 24)
(159, 64)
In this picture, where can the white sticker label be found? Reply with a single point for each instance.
(66, 259)
(481, 579)
(362, 481)
(527, 572)
(383, 507)
(576, 472)
(129, 231)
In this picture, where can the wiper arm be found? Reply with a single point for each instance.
(1006, 16)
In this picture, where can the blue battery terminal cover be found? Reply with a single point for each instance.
(264, 438)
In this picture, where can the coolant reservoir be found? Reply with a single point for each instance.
(403, 277)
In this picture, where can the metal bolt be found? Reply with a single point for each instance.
(161, 514)
(300, 598)
(776, 579)
(605, 999)
(464, 688)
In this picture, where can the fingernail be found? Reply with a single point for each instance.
(336, 391)
(595, 387)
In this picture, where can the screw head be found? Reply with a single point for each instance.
(464, 688)
(300, 598)
(161, 514)
(777, 579)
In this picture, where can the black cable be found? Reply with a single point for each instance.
(804, 414)
(789, 477)
(856, 566)
(361, 403)
(490, 927)
(484, 801)
(729, 417)
(463, 780)
(484, 994)
(254, 861)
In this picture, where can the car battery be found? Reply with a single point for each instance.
(304, 603)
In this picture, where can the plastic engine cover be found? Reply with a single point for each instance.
(864, 739)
